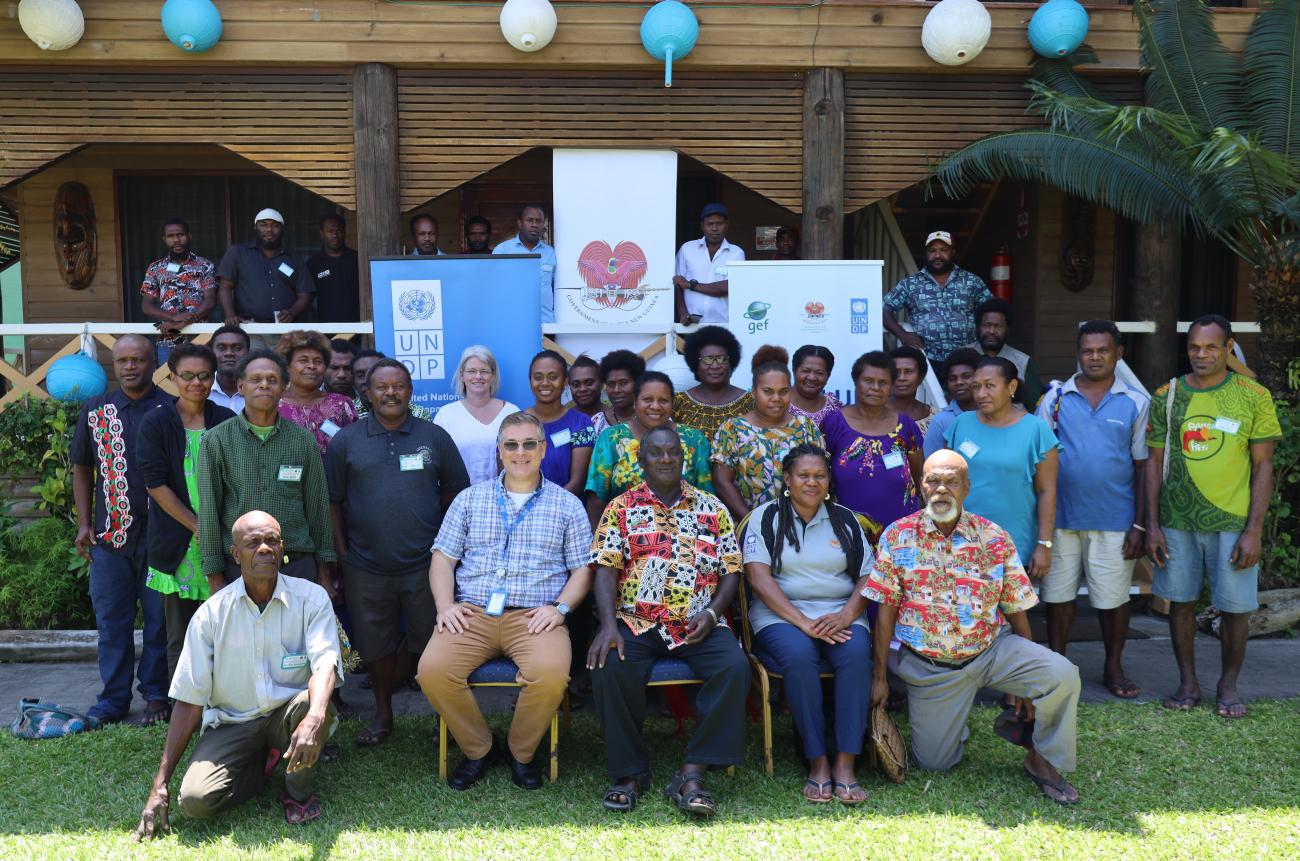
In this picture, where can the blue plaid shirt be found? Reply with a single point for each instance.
(943, 316)
(552, 539)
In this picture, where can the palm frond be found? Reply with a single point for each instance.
(1155, 128)
(1272, 64)
(1058, 73)
(1191, 72)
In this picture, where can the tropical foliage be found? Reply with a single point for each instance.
(1216, 146)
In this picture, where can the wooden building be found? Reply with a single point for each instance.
(822, 115)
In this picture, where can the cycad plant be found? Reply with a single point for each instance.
(1216, 145)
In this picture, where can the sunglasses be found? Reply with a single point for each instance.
(526, 445)
(190, 376)
(715, 361)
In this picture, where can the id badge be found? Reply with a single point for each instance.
(411, 462)
(286, 270)
(290, 473)
(561, 438)
(173, 268)
(894, 459)
(1227, 425)
(496, 604)
(969, 449)
(295, 661)
(329, 428)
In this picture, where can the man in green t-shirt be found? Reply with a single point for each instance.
(1209, 480)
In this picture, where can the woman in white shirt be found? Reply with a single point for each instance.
(473, 421)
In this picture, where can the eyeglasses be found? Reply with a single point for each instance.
(477, 373)
(526, 445)
(715, 361)
(190, 376)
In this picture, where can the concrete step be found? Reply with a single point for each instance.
(53, 646)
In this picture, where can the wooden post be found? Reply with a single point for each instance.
(823, 164)
(375, 133)
(1157, 278)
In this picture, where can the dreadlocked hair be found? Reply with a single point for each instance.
(787, 517)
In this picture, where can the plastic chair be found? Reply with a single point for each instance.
(500, 673)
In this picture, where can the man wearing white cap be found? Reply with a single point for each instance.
(260, 282)
(940, 300)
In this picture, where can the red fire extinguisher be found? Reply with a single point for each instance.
(1000, 274)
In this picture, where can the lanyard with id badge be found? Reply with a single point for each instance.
(497, 599)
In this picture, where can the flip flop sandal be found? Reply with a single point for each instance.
(1124, 689)
(628, 794)
(848, 788)
(1222, 707)
(155, 713)
(1044, 784)
(300, 812)
(697, 801)
(372, 737)
(821, 788)
(1181, 704)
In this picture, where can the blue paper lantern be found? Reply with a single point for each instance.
(191, 25)
(669, 29)
(76, 378)
(1058, 28)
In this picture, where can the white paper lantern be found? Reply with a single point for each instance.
(528, 25)
(54, 25)
(956, 31)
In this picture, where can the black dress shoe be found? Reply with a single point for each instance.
(471, 771)
(526, 775)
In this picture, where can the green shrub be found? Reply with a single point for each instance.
(1281, 545)
(35, 439)
(43, 582)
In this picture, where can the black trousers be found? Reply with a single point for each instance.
(620, 694)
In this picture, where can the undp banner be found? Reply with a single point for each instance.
(427, 310)
(831, 303)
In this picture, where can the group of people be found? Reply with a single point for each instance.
(599, 532)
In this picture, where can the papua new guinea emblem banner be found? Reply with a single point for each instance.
(615, 227)
(427, 310)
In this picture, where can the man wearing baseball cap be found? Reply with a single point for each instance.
(701, 280)
(940, 300)
(261, 282)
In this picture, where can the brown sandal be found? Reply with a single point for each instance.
(300, 812)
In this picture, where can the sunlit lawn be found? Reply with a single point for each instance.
(1154, 785)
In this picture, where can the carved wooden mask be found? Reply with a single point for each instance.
(76, 240)
(1078, 243)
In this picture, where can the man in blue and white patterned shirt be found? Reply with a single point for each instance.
(522, 544)
(940, 300)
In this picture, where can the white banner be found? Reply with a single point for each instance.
(615, 228)
(830, 303)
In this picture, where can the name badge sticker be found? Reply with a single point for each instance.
(561, 437)
(968, 448)
(1227, 425)
(295, 661)
(290, 473)
(548, 267)
(410, 462)
(894, 459)
(329, 428)
(173, 267)
(286, 270)
(496, 604)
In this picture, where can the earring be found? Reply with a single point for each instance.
(286, 560)
(785, 492)
(827, 497)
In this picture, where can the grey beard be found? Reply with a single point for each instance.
(953, 513)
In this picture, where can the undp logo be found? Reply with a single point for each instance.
(417, 304)
(859, 318)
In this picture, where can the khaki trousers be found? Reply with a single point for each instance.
(543, 661)
(228, 764)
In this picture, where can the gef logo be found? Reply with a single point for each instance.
(859, 319)
(756, 314)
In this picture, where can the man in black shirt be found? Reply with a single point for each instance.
(478, 235)
(335, 269)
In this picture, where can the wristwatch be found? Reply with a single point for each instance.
(1046, 544)
(561, 606)
(693, 283)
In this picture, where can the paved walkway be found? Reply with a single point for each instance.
(1270, 673)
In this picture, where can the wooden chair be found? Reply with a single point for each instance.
(501, 673)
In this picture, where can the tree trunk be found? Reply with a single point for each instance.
(1278, 309)
(1157, 277)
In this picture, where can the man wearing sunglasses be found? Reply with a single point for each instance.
(509, 562)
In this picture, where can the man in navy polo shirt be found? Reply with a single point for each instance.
(1100, 506)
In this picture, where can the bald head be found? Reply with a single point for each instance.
(254, 520)
(945, 483)
(257, 546)
(133, 364)
(946, 459)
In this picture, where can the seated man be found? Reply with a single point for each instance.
(950, 579)
(668, 568)
(261, 658)
(522, 543)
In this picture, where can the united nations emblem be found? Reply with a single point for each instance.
(417, 304)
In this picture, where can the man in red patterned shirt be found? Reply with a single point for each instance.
(178, 289)
(949, 583)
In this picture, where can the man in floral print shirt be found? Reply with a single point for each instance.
(178, 289)
(949, 583)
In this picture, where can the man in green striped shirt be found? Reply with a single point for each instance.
(260, 462)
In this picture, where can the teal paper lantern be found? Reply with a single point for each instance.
(669, 29)
(76, 378)
(192, 25)
(1058, 28)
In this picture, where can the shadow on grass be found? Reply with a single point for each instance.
(1134, 761)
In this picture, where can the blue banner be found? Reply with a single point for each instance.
(427, 310)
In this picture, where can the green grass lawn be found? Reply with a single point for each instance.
(1154, 784)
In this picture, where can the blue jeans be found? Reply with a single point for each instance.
(1194, 556)
(785, 649)
(117, 583)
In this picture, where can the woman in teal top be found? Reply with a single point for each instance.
(614, 467)
(168, 454)
(1013, 461)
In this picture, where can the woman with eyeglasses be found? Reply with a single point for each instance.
(473, 420)
(712, 353)
(812, 368)
(168, 455)
(305, 403)
(614, 467)
(569, 433)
